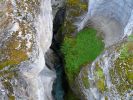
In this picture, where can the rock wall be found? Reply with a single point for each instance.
(108, 77)
(25, 37)
(111, 17)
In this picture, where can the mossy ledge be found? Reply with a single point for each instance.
(80, 51)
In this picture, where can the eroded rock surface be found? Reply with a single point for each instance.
(103, 78)
(111, 17)
(109, 76)
(25, 36)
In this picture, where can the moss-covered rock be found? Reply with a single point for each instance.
(74, 9)
(78, 51)
(17, 37)
(111, 73)
(121, 72)
(85, 79)
(99, 78)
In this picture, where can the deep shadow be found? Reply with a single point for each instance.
(60, 85)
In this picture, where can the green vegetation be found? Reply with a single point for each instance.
(70, 95)
(75, 8)
(122, 74)
(77, 3)
(85, 79)
(127, 48)
(14, 56)
(1, 0)
(124, 52)
(80, 51)
(123, 66)
(100, 78)
(130, 38)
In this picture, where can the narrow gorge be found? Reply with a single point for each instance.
(66, 49)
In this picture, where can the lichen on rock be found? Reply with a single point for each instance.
(75, 9)
(111, 73)
(17, 32)
(17, 38)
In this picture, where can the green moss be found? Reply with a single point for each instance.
(121, 73)
(77, 3)
(75, 8)
(86, 82)
(101, 85)
(10, 54)
(14, 56)
(85, 79)
(99, 72)
(80, 51)
(8, 86)
(100, 78)
(11, 97)
(130, 38)
(1, 0)
(126, 49)
(71, 96)
(106, 98)
(124, 52)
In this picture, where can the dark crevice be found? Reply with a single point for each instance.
(60, 85)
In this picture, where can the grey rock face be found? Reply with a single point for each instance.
(110, 16)
(119, 10)
(56, 5)
(25, 37)
(108, 77)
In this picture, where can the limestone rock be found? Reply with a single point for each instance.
(109, 76)
(25, 37)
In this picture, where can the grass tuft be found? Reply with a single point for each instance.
(80, 51)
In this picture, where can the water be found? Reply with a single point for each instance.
(58, 86)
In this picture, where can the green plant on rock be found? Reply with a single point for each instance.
(130, 38)
(126, 49)
(84, 78)
(124, 52)
(121, 72)
(100, 78)
(80, 50)
(75, 8)
(121, 75)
